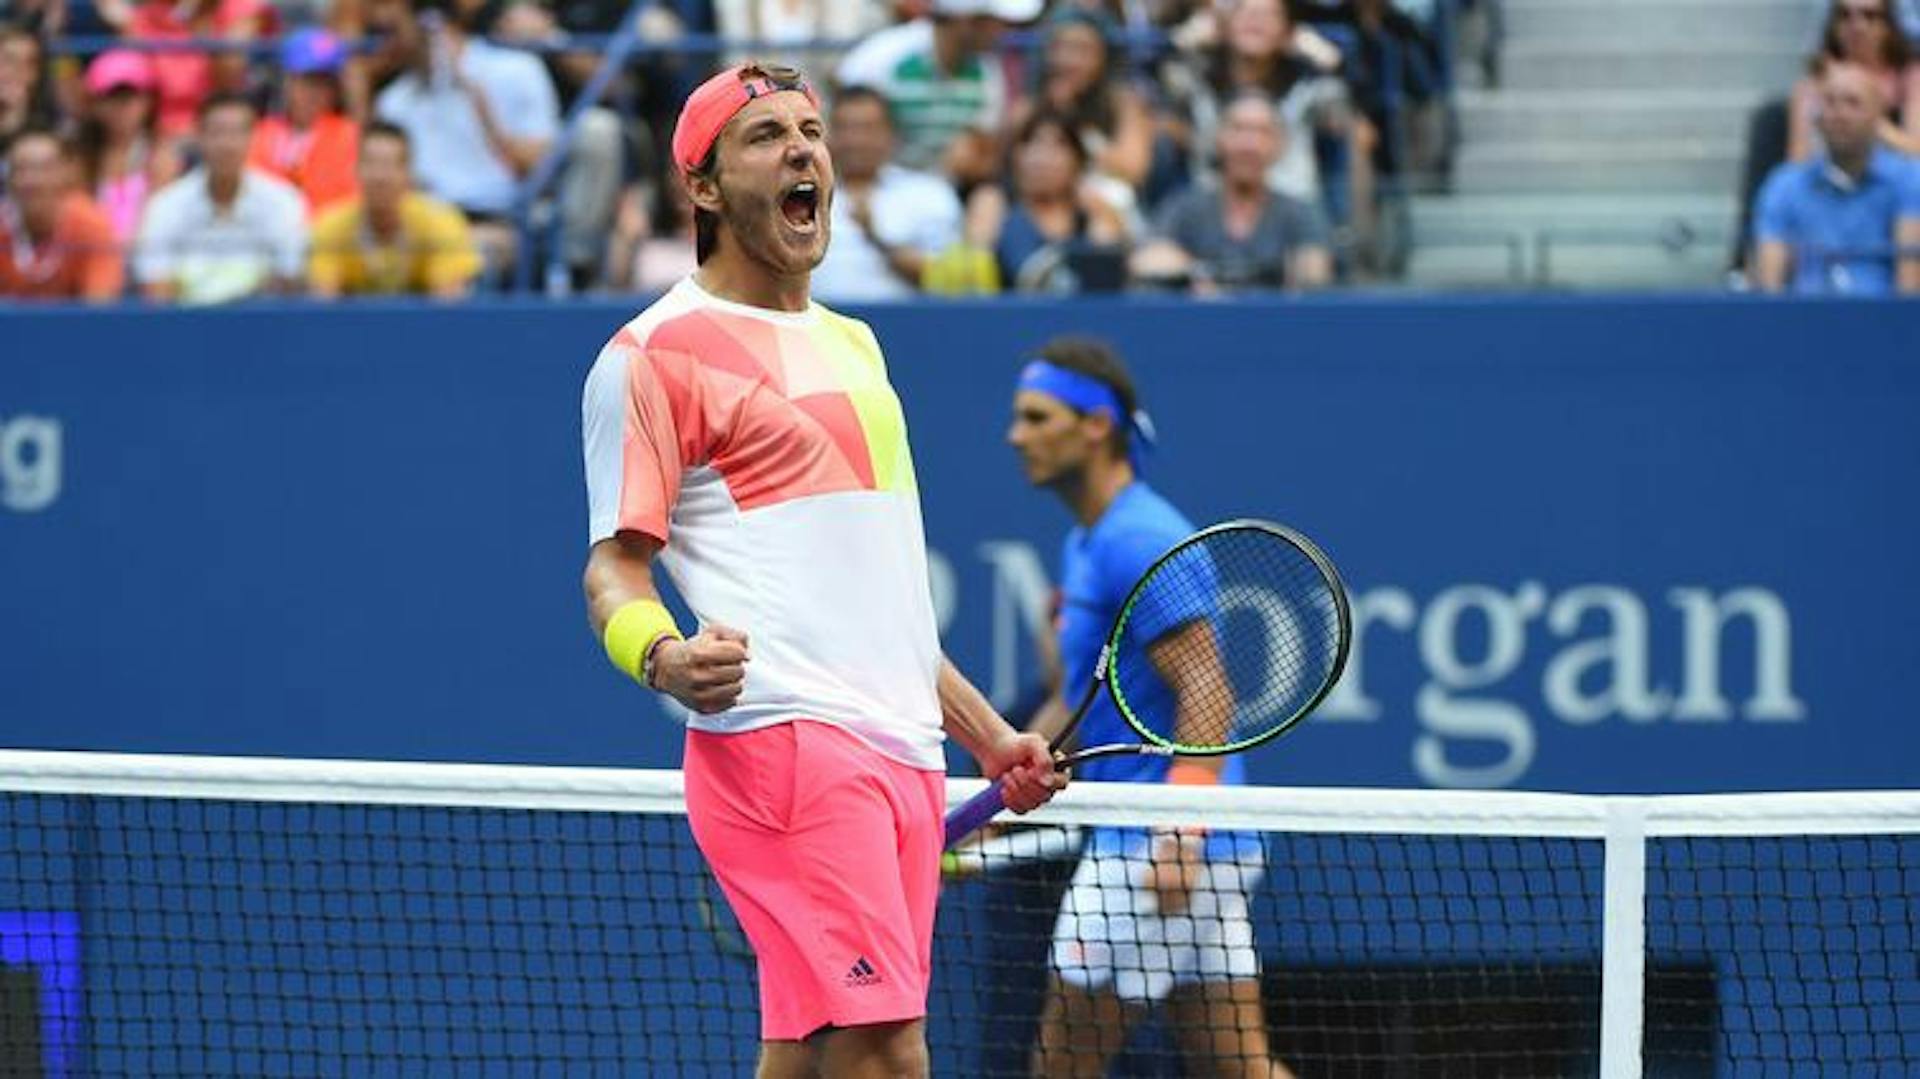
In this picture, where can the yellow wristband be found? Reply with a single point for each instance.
(633, 631)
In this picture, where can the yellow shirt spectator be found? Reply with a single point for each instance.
(430, 252)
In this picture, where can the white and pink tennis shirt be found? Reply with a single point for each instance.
(768, 452)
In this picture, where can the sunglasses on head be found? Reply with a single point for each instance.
(761, 79)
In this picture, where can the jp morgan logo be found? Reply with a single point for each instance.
(1599, 656)
(1477, 667)
(30, 463)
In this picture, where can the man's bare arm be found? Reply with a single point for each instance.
(1020, 760)
(705, 672)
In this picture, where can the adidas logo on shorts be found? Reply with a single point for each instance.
(863, 974)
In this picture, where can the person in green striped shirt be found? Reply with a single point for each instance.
(944, 84)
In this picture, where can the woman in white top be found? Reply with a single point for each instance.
(1257, 45)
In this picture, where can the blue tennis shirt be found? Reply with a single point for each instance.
(1841, 230)
(1099, 566)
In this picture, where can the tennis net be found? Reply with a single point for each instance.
(191, 916)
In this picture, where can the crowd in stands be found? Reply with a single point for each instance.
(1831, 196)
(207, 151)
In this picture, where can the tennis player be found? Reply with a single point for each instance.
(747, 440)
(1148, 918)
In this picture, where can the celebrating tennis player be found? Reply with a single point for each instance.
(747, 439)
(1148, 917)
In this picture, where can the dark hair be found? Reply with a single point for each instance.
(1895, 52)
(1046, 117)
(384, 129)
(1095, 359)
(706, 223)
(1094, 107)
(857, 93)
(90, 139)
(1284, 69)
(226, 99)
(40, 107)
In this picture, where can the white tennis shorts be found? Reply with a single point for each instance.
(1110, 936)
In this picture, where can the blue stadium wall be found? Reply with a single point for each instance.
(1596, 545)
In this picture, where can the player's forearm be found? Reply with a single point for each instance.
(619, 571)
(966, 714)
(1770, 266)
(1188, 659)
(1907, 239)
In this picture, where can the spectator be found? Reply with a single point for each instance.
(223, 231)
(1393, 67)
(589, 186)
(777, 26)
(374, 32)
(185, 79)
(43, 20)
(1055, 232)
(1260, 48)
(391, 240)
(1858, 31)
(1080, 79)
(653, 239)
(1837, 223)
(886, 221)
(122, 158)
(313, 145)
(54, 243)
(25, 102)
(1240, 233)
(480, 118)
(1862, 33)
(945, 84)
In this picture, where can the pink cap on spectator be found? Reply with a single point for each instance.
(119, 67)
(716, 101)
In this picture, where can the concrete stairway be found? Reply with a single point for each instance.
(1609, 156)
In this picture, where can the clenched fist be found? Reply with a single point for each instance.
(705, 672)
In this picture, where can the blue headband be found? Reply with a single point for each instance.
(1085, 394)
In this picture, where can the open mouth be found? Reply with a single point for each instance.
(801, 206)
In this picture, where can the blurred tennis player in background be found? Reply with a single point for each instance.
(747, 438)
(1148, 918)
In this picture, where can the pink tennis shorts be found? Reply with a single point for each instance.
(829, 854)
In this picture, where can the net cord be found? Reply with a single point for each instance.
(1283, 809)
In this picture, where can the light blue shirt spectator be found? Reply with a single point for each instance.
(1842, 231)
(452, 155)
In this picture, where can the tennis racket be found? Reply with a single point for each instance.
(1228, 641)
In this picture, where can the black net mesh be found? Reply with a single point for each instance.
(177, 937)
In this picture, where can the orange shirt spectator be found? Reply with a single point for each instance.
(184, 79)
(55, 244)
(311, 145)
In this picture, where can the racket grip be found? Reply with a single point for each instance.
(973, 813)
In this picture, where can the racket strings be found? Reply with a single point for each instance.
(1228, 640)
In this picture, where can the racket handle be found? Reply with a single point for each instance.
(975, 812)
